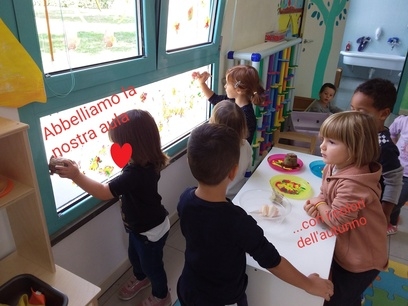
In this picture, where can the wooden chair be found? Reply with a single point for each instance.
(301, 103)
(295, 141)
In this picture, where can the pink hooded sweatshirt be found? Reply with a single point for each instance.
(356, 216)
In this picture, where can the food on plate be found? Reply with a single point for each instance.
(269, 211)
(290, 160)
(289, 187)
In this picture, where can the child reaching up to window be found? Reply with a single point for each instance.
(231, 115)
(144, 217)
(349, 203)
(243, 87)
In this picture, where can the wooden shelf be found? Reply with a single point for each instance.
(33, 254)
(78, 290)
(18, 192)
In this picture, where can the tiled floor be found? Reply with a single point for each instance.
(173, 264)
(175, 246)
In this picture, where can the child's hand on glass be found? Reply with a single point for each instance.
(201, 77)
(68, 170)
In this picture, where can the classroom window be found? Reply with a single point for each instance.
(151, 70)
(83, 33)
(80, 133)
(189, 23)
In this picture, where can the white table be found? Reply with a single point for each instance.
(264, 288)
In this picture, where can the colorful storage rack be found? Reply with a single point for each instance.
(276, 63)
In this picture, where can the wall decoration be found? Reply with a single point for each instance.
(290, 16)
(328, 14)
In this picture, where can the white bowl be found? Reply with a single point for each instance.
(253, 200)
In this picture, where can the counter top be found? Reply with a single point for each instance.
(301, 240)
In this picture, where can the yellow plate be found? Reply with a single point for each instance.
(292, 186)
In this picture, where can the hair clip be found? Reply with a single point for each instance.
(255, 93)
(237, 83)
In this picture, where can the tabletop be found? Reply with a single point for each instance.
(302, 240)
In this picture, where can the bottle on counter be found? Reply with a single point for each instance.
(348, 46)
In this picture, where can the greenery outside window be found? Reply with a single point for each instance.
(83, 33)
(159, 78)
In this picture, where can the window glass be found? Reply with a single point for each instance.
(189, 23)
(81, 33)
(80, 133)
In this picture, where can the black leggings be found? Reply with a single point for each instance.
(349, 286)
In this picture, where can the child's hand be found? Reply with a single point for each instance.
(69, 170)
(310, 209)
(202, 77)
(320, 287)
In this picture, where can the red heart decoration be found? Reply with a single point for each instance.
(121, 155)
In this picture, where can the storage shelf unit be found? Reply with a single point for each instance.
(276, 63)
(32, 254)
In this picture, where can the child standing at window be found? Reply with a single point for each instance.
(349, 203)
(144, 217)
(399, 135)
(231, 115)
(242, 86)
(322, 105)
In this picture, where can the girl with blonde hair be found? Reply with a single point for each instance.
(349, 204)
(231, 115)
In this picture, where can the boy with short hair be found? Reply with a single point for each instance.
(219, 233)
(377, 97)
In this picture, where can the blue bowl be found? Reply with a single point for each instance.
(317, 167)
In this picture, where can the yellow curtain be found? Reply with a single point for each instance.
(21, 81)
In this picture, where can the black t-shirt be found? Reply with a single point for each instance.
(218, 236)
(141, 203)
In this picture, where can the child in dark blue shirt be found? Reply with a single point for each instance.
(377, 97)
(219, 234)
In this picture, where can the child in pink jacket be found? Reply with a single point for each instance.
(349, 204)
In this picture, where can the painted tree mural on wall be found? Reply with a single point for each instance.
(328, 14)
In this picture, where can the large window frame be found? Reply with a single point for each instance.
(105, 80)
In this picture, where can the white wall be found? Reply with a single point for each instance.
(363, 18)
(247, 27)
(97, 250)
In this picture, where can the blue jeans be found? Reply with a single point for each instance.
(146, 258)
(402, 199)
